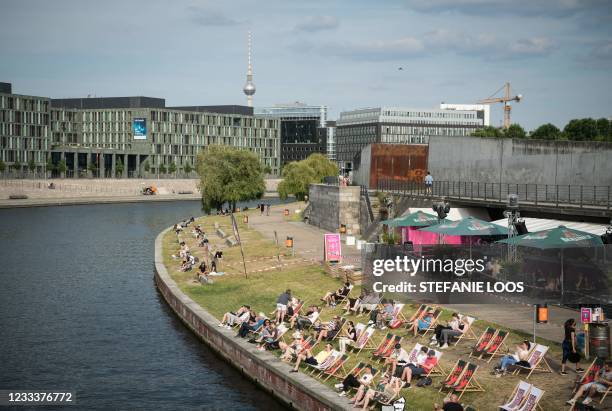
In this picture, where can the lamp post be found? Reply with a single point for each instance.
(512, 213)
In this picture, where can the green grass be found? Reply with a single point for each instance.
(309, 282)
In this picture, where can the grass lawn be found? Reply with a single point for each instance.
(271, 270)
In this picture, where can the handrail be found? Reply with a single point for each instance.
(364, 192)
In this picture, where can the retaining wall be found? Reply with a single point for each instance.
(331, 206)
(295, 390)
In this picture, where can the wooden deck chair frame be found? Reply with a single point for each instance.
(437, 369)
(434, 321)
(583, 377)
(537, 405)
(328, 362)
(469, 333)
(496, 352)
(296, 312)
(444, 383)
(417, 313)
(513, 397)
(344, 298)
(337, 368)
(383, 344)
(472, 384)
(367, 345)
(541, 365)
(343, 322)
(369, 311)
(488, 331)
(386, 353)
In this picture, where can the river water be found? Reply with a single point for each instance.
(79, 311)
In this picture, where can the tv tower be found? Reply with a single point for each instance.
(249, 87)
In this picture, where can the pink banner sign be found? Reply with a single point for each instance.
(333, 248)
(585, 315)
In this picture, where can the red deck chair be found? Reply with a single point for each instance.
(454, 374)
(483, 342)
(496, 344)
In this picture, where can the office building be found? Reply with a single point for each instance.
(93, 135)
(303, 129)
(330, 129)
(395, 125)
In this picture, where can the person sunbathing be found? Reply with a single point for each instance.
(348, 337)
(398, 356)
(420, 369)
(332, 297)
(328, 330)
(452, 324)
(421, 324)
(457, 329)
(601, 384)
(233, 318)
(253, 323)
(308, 358)
(306, 321)
(352, 304)
(291, 351)
(384, 393)
(521, 355)
(356, 379)
(369, 302)
(269, 338)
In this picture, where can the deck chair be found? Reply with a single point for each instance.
(497, 342)
(336, 369)
(412, 356)
(591, 373)
(434, 322)
(468, 382)
(389, 349)
(383, 344)
(397, 318)
(328, 362)
(533, 399)
(521, 391)
(421, 309)
(367, 311)
(437, 370)
(469, 333)
(364, 340)
(344, 297)
(296, 311)
(454, 374)
(483, 342)
(536, 360)
(339, 332)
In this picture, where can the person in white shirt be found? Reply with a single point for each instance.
(357, 379)
(428, 183)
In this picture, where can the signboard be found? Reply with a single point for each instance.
(139, 127)
(333, 249)
(585, 315)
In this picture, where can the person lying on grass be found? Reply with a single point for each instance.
(328, 330)
(356, 379)
(420, 369)
(332, 297)
(308, 358)
(600, 385)
(233, 318)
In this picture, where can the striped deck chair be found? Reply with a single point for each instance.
(412, 356)
(437, 370)
(417, 314)
(468, 382)
(337, 368)
(518, 396)
(536, 360)
(469, 333)
(296, 311)
(386, 353)
(454, 374)
(591, 373)
(397, 318)
(339, 332)
(307, 345)
(533, 399)
(483, 342)
(497, 342)
(434, 322)
(343, 298)
(328, 362)
(382, 346)
(364, 340)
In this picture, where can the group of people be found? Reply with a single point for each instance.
(263, 207)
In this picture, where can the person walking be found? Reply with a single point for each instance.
(570, 352)
(267, 209)
(428, 183)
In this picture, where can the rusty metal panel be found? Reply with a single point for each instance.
(400, 162)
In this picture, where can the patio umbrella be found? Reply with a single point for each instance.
(560, 237)
(468, 226)
(416, 219)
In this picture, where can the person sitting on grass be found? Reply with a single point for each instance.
(306, 321)
(348, 337)
(185, 265)
(290, 351)
(521, 355)
(421, 324)
(230, 318)
(601, 384)
(281, 305)
(421, 369)
(450, 403)
(384, 393)
(332, 297)
(355, 379)
(308, 358)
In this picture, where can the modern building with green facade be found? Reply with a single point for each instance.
(126, 136)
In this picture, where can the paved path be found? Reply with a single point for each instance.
(308, 242)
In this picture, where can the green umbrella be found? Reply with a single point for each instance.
(468, 226)
(416, 219)
(560, 237)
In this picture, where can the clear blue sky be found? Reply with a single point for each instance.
(344, 54)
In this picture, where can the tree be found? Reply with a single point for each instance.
(488, 131)
(61, 167)
(146, 166)
(119, 167)
(172, 168)
(162, 169)
(515, 131)
(267, 169)
(229, 175)
(49, 166)
(299, 175)
(2, 166)
(92, 168)
(584, 129)
(604, 129)
(546, 131)
(17, 166)
(187, 168)
(31, 165)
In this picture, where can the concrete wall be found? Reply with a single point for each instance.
(297, 390)
(331, 206)
(494, 160)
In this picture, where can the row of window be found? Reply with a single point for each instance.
(23, 103)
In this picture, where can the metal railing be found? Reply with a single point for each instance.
(537, 194)
(366, 195)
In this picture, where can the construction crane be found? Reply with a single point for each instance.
(506, 98)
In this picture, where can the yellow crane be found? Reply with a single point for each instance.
(506, 98)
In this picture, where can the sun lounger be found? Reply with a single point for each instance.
(497, 343)
(533, 399)
(328, 362)
(434, 322)
(454, 374)
(386, 353)
(520, 393)
(364, 340)
(382, 346)
(467, 381)
(536, 360)
(469, 333)
(337, 368)
(483, 342)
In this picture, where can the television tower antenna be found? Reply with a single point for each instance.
(249, 87)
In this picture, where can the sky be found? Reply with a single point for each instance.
(344, 54)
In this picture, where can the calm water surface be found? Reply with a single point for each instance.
(79, 311)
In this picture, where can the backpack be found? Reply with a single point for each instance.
(424, 382)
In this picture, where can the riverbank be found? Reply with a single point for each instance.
(268, 276)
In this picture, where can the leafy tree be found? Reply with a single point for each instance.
(17, 165)
(515, 131)
(61, 166)
(229, 175)
(267, 169)
(187, 168)
(299, 175)
(2, 166)
(604, 129)
(146, 166)
(162, 169)
(546, 131)
(584, 129)
(31, 165)
(92, 168)
(119, 167)
(50, 166)
(172, 168)
(488, 131)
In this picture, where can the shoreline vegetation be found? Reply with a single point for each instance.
(271, 270)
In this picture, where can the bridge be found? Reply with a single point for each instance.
(578, 200)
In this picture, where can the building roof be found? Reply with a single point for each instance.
(94, 103)
(220, 109)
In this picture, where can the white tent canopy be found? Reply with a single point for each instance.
(538, 224)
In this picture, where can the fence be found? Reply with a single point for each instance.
(537, 194)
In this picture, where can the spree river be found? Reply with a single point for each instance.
(79, 311)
